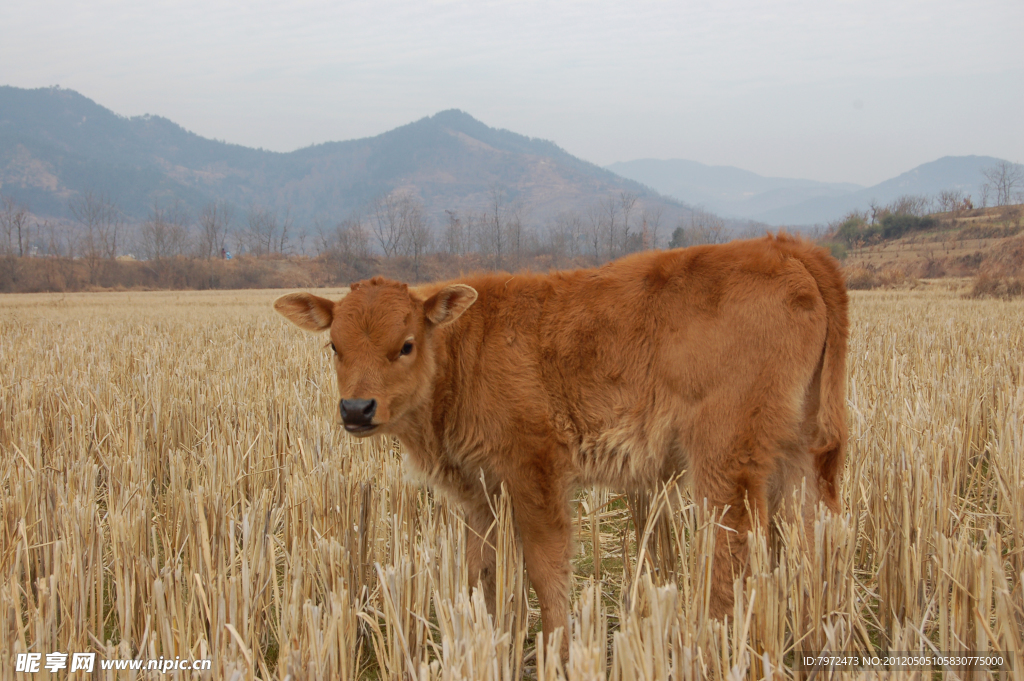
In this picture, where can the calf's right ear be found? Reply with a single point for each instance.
(306, 311)
(448, 304)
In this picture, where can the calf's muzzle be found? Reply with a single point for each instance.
(357, 413)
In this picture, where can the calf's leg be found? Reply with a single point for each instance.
(733, 488)
(480, 554)
(542, 518)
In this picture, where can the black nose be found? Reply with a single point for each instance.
(358, 412)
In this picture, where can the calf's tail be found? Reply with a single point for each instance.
(830, 454)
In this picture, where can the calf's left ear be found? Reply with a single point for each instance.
(448, 304)
(306, 311)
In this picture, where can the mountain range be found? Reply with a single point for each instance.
(776, 201)
(56, 144)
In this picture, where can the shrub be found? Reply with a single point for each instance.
(837, 249)
(895, 275)
(860, 277)
(933, 269)
(895, 225)
(853, 228)
(988, 286)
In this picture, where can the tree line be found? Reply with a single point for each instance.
(393, 232)
(500, 235)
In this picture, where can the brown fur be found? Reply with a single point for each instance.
(724, 361)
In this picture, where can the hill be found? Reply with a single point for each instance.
(986, 243)
(726, 189)
(786, 201)
(948, 172)
(56, 144)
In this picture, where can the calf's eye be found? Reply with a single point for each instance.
(407, 348)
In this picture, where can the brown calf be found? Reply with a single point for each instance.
(727, 362)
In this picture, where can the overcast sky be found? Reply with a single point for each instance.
(839, 91)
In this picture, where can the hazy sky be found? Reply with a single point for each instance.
(840, 91)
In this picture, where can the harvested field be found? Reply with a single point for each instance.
(172, 484)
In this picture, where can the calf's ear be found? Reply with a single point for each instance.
(448, 304)
(306, 311)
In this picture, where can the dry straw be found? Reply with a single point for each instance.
(172, 484)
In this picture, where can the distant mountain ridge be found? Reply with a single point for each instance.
(56, 143)
(948, 172)
(784, 201)
(724, 189)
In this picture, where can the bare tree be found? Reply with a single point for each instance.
(419, 234)
(387, 222)
(517, 235)
(950, 200)
(569, 232)
(473, 225)
(594, 228)
(214, 223)
(13, 239)
(58, 239)
(454, 240)
(348, 238)
(1004, 181)
(650, 221)
(909, 204)
(576, 234)
(14, 225)
(102, 226)
(460, 232)
(701, 228)
(352, 237)
(556, 244)
(324, 241)
(261, 233)
(878, 211)
(706, 228)
(165, 234)
(628, 242)
(58, 242)
(611, 214)
(283, 246)
(493, 233)
(755, 229)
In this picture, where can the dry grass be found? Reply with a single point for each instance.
(172, 483)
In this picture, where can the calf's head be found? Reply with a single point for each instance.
(382, 334)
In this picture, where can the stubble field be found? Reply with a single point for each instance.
(173, 485)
